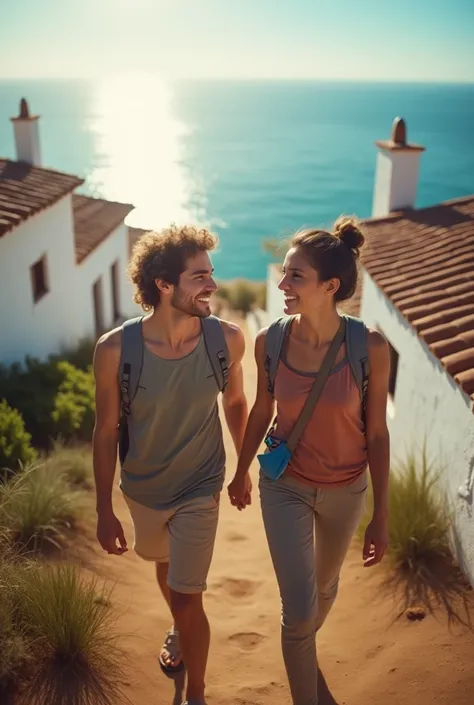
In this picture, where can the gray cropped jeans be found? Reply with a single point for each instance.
(309, 532)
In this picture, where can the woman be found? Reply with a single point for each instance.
(311, 512)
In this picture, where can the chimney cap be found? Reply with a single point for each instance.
(24, 113)
(398, 139)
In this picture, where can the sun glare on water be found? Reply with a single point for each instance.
(139, 151)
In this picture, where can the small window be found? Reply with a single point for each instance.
(39, 279)
(392, 380)
(98, 306)
(114, 275)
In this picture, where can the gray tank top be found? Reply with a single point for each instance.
(176, 450)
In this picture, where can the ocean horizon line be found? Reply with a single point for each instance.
(392, 82)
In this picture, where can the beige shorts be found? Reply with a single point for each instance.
(183, 536)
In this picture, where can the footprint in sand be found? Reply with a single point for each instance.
(234, 536)
(237, 588)
(247, 641)
(372, 653)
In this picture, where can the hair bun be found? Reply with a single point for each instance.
(348, 231)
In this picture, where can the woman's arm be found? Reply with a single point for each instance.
(258, 423)
(378, 446)
(261, 414)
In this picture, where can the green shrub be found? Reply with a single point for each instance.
(419, 519)
(73, 461)
(15, 448)
(243, 295)
(71, 625)
(53, 397)
(80, 355)
(31, 388)
(37, 506)
(223, 291)
(73, 411)
(15, 647)
(59, 645)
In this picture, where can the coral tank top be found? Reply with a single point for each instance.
(332, 449)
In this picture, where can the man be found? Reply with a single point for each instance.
(172, 452)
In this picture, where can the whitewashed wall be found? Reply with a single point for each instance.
(275, 297)
(98, 264)
(29, 327)
(66, 312)
(428, 404)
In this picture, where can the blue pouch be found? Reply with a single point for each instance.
(275, 459)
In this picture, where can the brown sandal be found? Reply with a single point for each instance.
(171, 645)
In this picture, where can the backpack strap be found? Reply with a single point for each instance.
(130, 369)
(274, 340)
(131, 361)
(358, 354)
(217, 350)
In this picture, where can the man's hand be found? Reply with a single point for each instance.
(109, 531)
(240, 491)
(376, 541)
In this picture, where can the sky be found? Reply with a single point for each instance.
(376, 40)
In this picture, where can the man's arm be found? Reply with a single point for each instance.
(378, 444)
(105, 438)
(234, 402)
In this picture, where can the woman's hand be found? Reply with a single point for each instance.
(376, 541)
(240, 490)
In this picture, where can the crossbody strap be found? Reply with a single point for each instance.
(317, 387)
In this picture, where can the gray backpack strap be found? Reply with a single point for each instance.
(217, 350)
(131, 361)
(274, 339)
(358, 354)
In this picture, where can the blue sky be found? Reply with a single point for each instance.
(406, 40)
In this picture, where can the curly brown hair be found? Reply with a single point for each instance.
(163, 255)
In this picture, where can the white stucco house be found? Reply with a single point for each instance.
(417, 287)
(63, 255)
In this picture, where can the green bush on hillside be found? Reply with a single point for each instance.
(71, 625)
(73, 411)
(15, 647)
(80, 355)
(31, 388)
(37, 506)
(53, 397)
(73, 461)
(15, 448)
(243, 295)
(419, 519)
(60, 645)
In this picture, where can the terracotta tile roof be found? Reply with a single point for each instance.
(423, 261)
(26, 190)
(94, 220)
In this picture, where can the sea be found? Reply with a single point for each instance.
(254, 161)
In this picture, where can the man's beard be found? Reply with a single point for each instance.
(187, 305)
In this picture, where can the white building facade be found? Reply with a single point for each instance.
(426, 405)
(59, 282)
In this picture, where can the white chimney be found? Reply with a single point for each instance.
(27, 136)
(396, 178)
